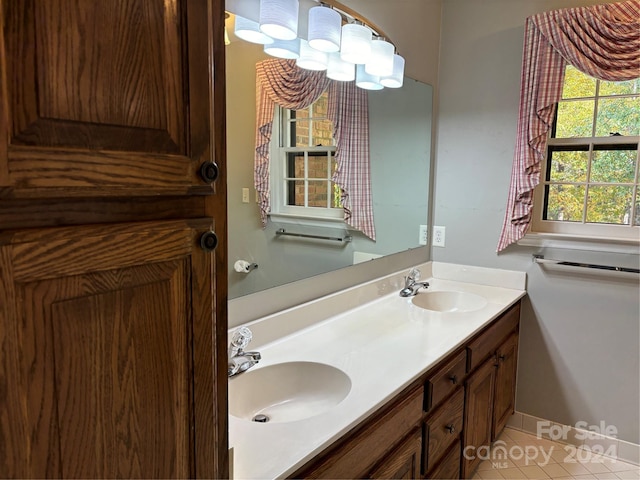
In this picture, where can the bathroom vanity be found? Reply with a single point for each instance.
(428, 386)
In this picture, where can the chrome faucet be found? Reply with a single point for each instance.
(411, 283)
(239, 360)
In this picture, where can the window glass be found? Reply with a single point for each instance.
(591, 172)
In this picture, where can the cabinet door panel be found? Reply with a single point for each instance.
(477, 415)
(505, 394)
(403, 462)
(103, 95)
(105, 356)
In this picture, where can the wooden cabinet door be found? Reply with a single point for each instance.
(403, 462)
(107, 353)
(108, 98)
(505, 393)
(478, 415)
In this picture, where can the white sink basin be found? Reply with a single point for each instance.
(286, 392)
(449, 301)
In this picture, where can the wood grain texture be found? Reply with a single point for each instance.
(403, 462)
(354, 458)
(4, 107)
(109, 96)
(478, 415)
(505, 393)
(117, 361)
(439, 436)
(486, 344)
(13, 434)
(450, 377)
(17, 214)
(449, 467)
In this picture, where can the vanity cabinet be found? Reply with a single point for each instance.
(490, 387)
(112, 295)
(385, 446)
(459, 405)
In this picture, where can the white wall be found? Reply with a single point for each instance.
(579, 353)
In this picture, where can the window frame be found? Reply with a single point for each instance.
(589, 232)
(280, 153)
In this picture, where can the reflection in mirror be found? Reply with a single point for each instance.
(400, 145)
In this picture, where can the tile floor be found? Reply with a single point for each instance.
(529, 457)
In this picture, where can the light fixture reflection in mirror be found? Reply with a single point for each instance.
(400, 143)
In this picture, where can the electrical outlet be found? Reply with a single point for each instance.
(438, 236)
(423, 235)
(245, 195)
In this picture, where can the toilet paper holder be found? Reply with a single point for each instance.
(242, 266)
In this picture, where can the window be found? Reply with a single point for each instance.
(303, 162)
(590, 180)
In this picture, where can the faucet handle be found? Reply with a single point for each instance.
(241, 338)
(415, 274)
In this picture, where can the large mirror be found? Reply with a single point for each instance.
(400, 144)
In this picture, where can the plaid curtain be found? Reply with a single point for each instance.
(602, 41)
(282, 82)
(349, 112)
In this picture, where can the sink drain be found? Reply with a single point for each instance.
(261, 418)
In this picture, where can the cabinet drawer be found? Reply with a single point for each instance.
(443, 428)
(488, 342)
(449, 468)
(445, 381)
(353, 458)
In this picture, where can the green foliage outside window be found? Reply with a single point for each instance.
(594, 181)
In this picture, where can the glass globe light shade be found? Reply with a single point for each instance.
(324, 29)
(338, 69)
(380, 62)
(279, 18)
(396, 79)
(310, 58)
(355, 44)
(250, 31)
(289, 49)
(367, 81)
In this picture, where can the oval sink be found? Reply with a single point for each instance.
(449, 301)
(287, 392)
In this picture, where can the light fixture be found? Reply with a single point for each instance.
(279, 18)
(380, 62)
(289, 49)
(338, 69)
(250, 31)
(355, 44)
(324, 29)
(396, 79)
(367, 81)
(310, 58)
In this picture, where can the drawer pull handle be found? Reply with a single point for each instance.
(454, 379)
(451, 428)
(501, 358)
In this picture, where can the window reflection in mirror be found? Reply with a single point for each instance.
(400, 144)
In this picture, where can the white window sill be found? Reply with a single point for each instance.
(326, 222)
(576, 242)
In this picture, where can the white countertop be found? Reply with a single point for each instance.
(382, 345)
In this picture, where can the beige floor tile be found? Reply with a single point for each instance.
(513, 474)
(585, 477)
(534, 472)
(493, 474)
(555, 470)
(484, 465)
(629, 475)
(618, 466)
(606, 476)
(575, 469)
(596, 467)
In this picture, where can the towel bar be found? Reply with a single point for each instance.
(346, 238)
(610, 268)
